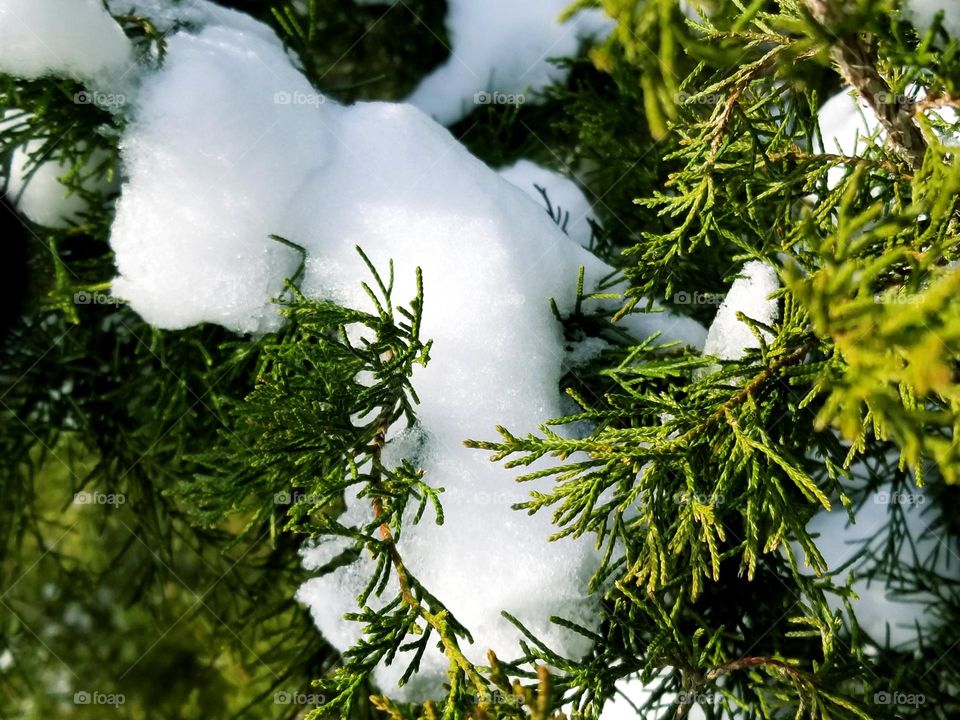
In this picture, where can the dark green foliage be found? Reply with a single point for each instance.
(297, 436)
(329, 390)
(357, 52)
(13, 275)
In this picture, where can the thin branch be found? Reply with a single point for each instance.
(436, 620)
(857, 62)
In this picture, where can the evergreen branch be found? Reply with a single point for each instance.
(798, 354)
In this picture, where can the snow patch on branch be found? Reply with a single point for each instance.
(729, 337)
(887, 605)
(922, 13)
(568, 204)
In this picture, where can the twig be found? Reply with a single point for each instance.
(857, 63)
(436, 620)
(834, 158)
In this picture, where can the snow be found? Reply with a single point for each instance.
(693, 9)
(922, 13)
(566, 197)
(40, 196)
(585, 351)
(347, 582)
(847, 124)
(729, 338)
(632, 692)
(228, 144)
(847, 127)
(212, 164)
(491, 259)
(73, 38)
(569, 202)
(880, 608)
(501, 51)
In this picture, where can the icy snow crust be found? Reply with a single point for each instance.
(227, 144)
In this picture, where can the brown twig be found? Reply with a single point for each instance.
(688, 698)
(834, 158)
(766, 375)
(936, 102)
(857, 63)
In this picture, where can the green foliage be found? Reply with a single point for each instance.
(698, 142)
(328, 392)
(312, 420)
(694, 472)
(360, 52)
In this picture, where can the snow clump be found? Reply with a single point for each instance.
(502, 51)
(71, 38)
(729, 337)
